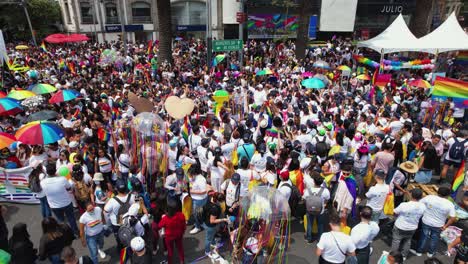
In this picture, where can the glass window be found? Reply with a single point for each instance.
(86, 13)
(67, 12)
(197, 13)
(112, 16)
(141, 12)
(179, 17)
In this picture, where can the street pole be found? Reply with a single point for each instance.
(122, 25)
(241, 34)
(23, 3)
(208, 34)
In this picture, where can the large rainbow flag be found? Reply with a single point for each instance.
(447, 87)
(458, 179)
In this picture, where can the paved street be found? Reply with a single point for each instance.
(298, 253)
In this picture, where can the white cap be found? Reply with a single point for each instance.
(137, 244)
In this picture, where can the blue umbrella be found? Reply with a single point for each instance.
(313, 83)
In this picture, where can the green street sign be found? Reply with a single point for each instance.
(227, 45)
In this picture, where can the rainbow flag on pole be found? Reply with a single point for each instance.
(43, 47)
(186, 129)
(458, 179)
(447, 87)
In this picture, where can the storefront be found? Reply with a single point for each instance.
(189, 19)
(373, 16)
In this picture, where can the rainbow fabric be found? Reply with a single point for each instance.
(150, 47)
(103, 135)
(447, 87)
(43, 47)
(458, 179)
(366, 61)
(61, 63)
(186, 129)
(71, 66)
(115, 113)
(124, 255)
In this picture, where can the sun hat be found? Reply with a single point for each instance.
(409, 167)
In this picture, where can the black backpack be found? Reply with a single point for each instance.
(127, 231)
(457, 150)
(296, 203)
(322, 148)
(123, 209)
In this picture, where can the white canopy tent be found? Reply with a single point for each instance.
(447, 37)
(397, 37)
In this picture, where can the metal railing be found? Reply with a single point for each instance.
(141, 19)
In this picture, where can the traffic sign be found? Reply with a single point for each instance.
(227, 45)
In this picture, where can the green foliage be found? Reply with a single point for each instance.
(44, 15)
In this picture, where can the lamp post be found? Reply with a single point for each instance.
(25, 8)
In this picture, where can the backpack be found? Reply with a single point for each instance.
(295, 200)
(457, 150)
(390, 173)
(81, 190)
(34, 184)
(321, 147)
(123, 209)
(126, 233)
(314, 203)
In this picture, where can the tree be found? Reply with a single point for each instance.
(165, 31)
(303, 28)
(421, 21)
(44, 14)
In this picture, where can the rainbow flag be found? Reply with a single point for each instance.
(447, 87)
(186, 129)
(381, 80)
(43, 47)
(72, 68)
(462, 58)
(124, 255)
(458, 179)
(150, 47)
(103, 135)
(61, 63)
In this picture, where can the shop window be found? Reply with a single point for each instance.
(141, 12)
(86, 13)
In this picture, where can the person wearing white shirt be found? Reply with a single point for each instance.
(454, 161)
(314, 188)
(408, 216)
(92, 223)
(56, 189)
(363, 233)
(246, 175)
(198, 191)
(334, 246)
(434, 220)
(194, 140)
(285, 186)
(377, 194)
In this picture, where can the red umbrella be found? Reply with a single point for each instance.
(62, 38)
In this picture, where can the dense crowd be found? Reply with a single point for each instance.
(341, 158)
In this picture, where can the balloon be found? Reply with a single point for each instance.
(63, 171)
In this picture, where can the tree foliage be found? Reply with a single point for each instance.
(44, 14)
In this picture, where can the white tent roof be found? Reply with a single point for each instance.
(447, 37)
(397, 37)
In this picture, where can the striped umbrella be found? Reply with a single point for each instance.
(42, 88)
(63, 96)
(20, 94)
(39, 133)
(420, 83)
(364, 77)
(6, 140)
(344, 68)
(8, 105)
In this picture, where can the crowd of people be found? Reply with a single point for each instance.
(342, 158)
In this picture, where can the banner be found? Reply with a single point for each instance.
(14, 186)
(338, 15)
(262, 26)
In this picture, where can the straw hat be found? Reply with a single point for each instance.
(409, 167)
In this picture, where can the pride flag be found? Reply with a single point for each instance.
(150, 47)
(186, 129)
(381, 80)
(458, 179)
(447, 87)
(61, 63)
(103, 135)
(72, 68)
(43, 47)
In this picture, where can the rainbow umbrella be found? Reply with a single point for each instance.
(420, 83)
(39, 133)
(42, 88)
(313, 83)
(264, 72)
(219, 58)
(3, 94)
(6, 140)
(364, 77)
(9, 104)
(63, 96)
(20, 94)
(344, 68)
(307, 74)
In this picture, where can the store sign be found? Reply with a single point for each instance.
(191, 28)
(391, 9)
(227, 45)
(128, 28)
(114, 28)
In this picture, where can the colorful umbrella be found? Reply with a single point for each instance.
(364, 77)
(264, 72)
(321, 64)
(42, 115)
(3, 94)
(420, 83)
(39, 133)
(9, 104)
(21, 47)
(42, 88)
(20, 94)
(63, 96)
(344, 68)
(6, 140)
(307, 74)
(219, 58)
(313, 83)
